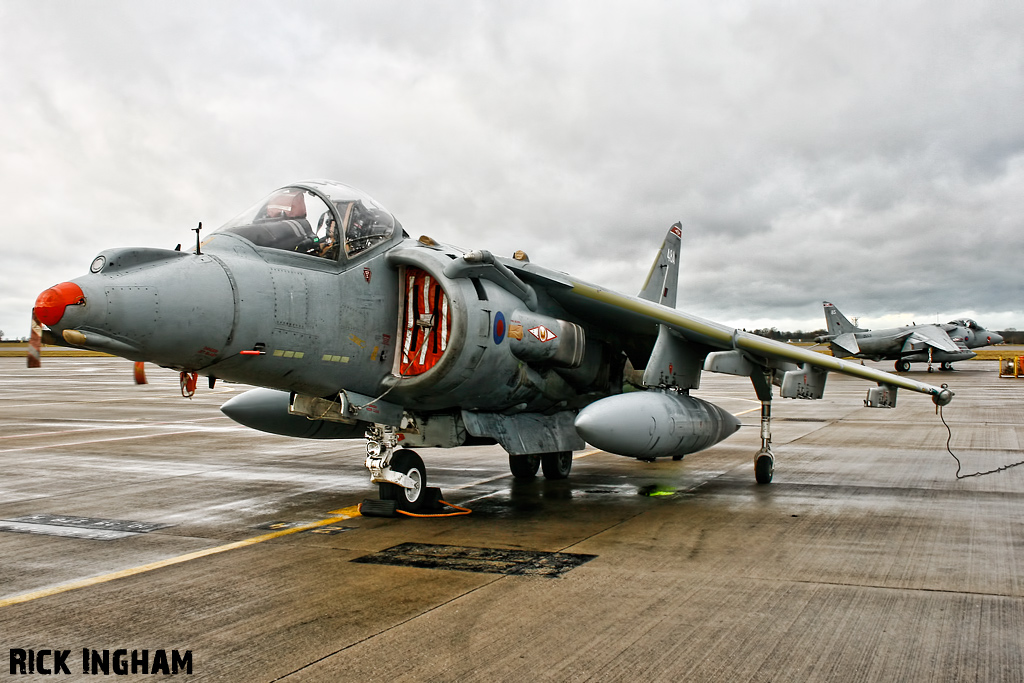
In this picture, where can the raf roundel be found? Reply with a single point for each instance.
(499, 327)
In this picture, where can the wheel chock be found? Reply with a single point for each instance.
(432, 499)
(374, 507)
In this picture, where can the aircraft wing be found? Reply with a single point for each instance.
(930, 335)
(615, 311)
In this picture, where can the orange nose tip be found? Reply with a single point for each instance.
(50, 305)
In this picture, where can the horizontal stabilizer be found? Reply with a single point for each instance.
(847, 342)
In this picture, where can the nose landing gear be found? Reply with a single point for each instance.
(400, 475)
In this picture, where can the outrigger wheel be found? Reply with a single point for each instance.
(411, 464)
(764, 467)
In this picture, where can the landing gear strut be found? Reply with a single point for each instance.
(764, 461)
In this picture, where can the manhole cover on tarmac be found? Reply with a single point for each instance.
(485, 560)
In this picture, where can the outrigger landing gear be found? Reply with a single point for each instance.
(400, 475)
(764, 461)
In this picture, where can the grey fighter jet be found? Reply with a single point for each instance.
(353, 330)
(942, 344)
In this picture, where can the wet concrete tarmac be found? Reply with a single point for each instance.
(137, 519)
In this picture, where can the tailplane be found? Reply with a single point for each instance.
(837, 322)
(663, 280)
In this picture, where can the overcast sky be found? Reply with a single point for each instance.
(866, 153)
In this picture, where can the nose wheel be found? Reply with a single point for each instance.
(400, 475)
(411, 495)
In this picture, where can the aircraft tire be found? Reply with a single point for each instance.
(556, 465)
(764, 468)
(524, 467)
(946, 367)
(409, 463)
(902, 365)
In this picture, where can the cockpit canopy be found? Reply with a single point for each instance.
(965, 322)
(321, 218)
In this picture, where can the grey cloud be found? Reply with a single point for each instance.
(872, 150)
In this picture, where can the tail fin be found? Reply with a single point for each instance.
(663, 280)
(836, 322)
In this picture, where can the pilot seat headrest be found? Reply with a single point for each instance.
(287, 205)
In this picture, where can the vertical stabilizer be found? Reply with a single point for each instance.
(836, 322)
(663, 280)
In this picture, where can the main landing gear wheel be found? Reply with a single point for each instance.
(764, 468)
(524, 467)
(411, 464)
(946, 367)
(556, 465)
(902, 366)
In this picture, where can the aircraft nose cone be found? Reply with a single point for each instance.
(994, 338)
(50, 305)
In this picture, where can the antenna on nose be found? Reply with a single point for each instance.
(196, 231)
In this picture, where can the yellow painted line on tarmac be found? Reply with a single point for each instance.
(342, 514)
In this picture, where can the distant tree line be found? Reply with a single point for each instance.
(1013, 336)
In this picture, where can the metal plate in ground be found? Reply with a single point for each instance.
(485, 560)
